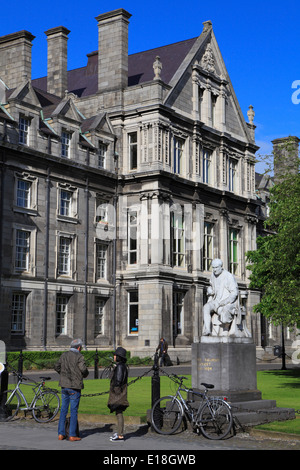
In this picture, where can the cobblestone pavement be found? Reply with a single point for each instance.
(27, 434)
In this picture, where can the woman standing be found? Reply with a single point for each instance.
(117, 401)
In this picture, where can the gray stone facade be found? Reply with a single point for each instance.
(119, 184)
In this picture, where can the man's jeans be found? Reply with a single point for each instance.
(69, 396)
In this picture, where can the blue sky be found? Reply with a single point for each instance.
(259, 42)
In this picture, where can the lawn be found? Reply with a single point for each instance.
(284, 387)
(280, 385)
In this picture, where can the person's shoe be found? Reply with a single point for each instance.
(115, 437)
(74, 438)
(61, 437)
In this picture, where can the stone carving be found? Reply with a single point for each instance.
(222, 314)
(208, 61)
(157, 66)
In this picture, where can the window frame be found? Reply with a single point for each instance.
(233, 251)
(206, 166)
(65, 148)
(132, 150)
(24, 126)
(178, 242)
(209, 239)
(61, 317)
(21, 313)
(178, 305)
(133, 311)
(99, 316)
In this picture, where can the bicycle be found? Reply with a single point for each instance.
(212, 416)
(108, 370)
(44, 405)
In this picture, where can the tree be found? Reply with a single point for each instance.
(275, 265)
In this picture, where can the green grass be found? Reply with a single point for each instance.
(282, 386)
(139, 395)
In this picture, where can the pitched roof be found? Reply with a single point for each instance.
(84, 81)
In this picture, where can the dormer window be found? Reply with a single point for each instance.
(65, 144)
(23, 130)
(102, 155)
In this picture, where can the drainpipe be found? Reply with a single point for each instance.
(86, 248)
(114, 266)
(47, 215)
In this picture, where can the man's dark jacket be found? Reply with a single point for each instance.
(72, 369)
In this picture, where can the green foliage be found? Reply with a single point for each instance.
(38, 360)
(275, 265)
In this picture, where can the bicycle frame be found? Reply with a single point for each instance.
(17, 389)
(186, 408)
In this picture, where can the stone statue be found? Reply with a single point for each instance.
(222, 313)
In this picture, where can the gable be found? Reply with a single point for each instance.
(25, 94)
(204, 66)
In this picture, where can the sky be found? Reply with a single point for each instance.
(259, 41)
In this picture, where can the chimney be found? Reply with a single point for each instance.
(57, 71)
(15, 58)
(113, 50)
(286, 157)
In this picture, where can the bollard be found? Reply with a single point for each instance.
(155, 381)
(96, 365)
(3, 394)
(20, 364)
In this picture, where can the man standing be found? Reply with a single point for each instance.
(72, 369)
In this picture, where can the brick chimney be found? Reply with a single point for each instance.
(113, 50)
(15, 58)
(57, 71)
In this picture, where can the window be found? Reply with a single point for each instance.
(200, 101)
(232, 174)
(177, 234)
(208, 246)
(133, 312)
(18, 313)
(65, 203)
(99, 315)
(101, 210)
(102, 155)
(22, 250)
(23, 193)
(233, 251)
(101, 258)
(65, 144)
(206, 166)
(213, 109)
(61, 314)
(178, 311)
(64, 256)
(23, 131)
(132, 145)
(132, 237)
(178, 155)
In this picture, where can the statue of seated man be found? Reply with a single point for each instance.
(223, 301)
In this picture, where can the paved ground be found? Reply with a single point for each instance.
(27, 434)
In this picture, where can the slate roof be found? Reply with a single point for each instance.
(84, 81)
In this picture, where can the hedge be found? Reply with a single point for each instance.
(46, 359)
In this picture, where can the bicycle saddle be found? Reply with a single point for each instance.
(207, 385)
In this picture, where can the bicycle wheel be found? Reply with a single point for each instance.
(215, 420)
(106, 373)
(166, 415)
(46, 406)
(12, 404)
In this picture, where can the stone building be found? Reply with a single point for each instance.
(120, 182)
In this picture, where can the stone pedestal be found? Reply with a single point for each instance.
(229, 364)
